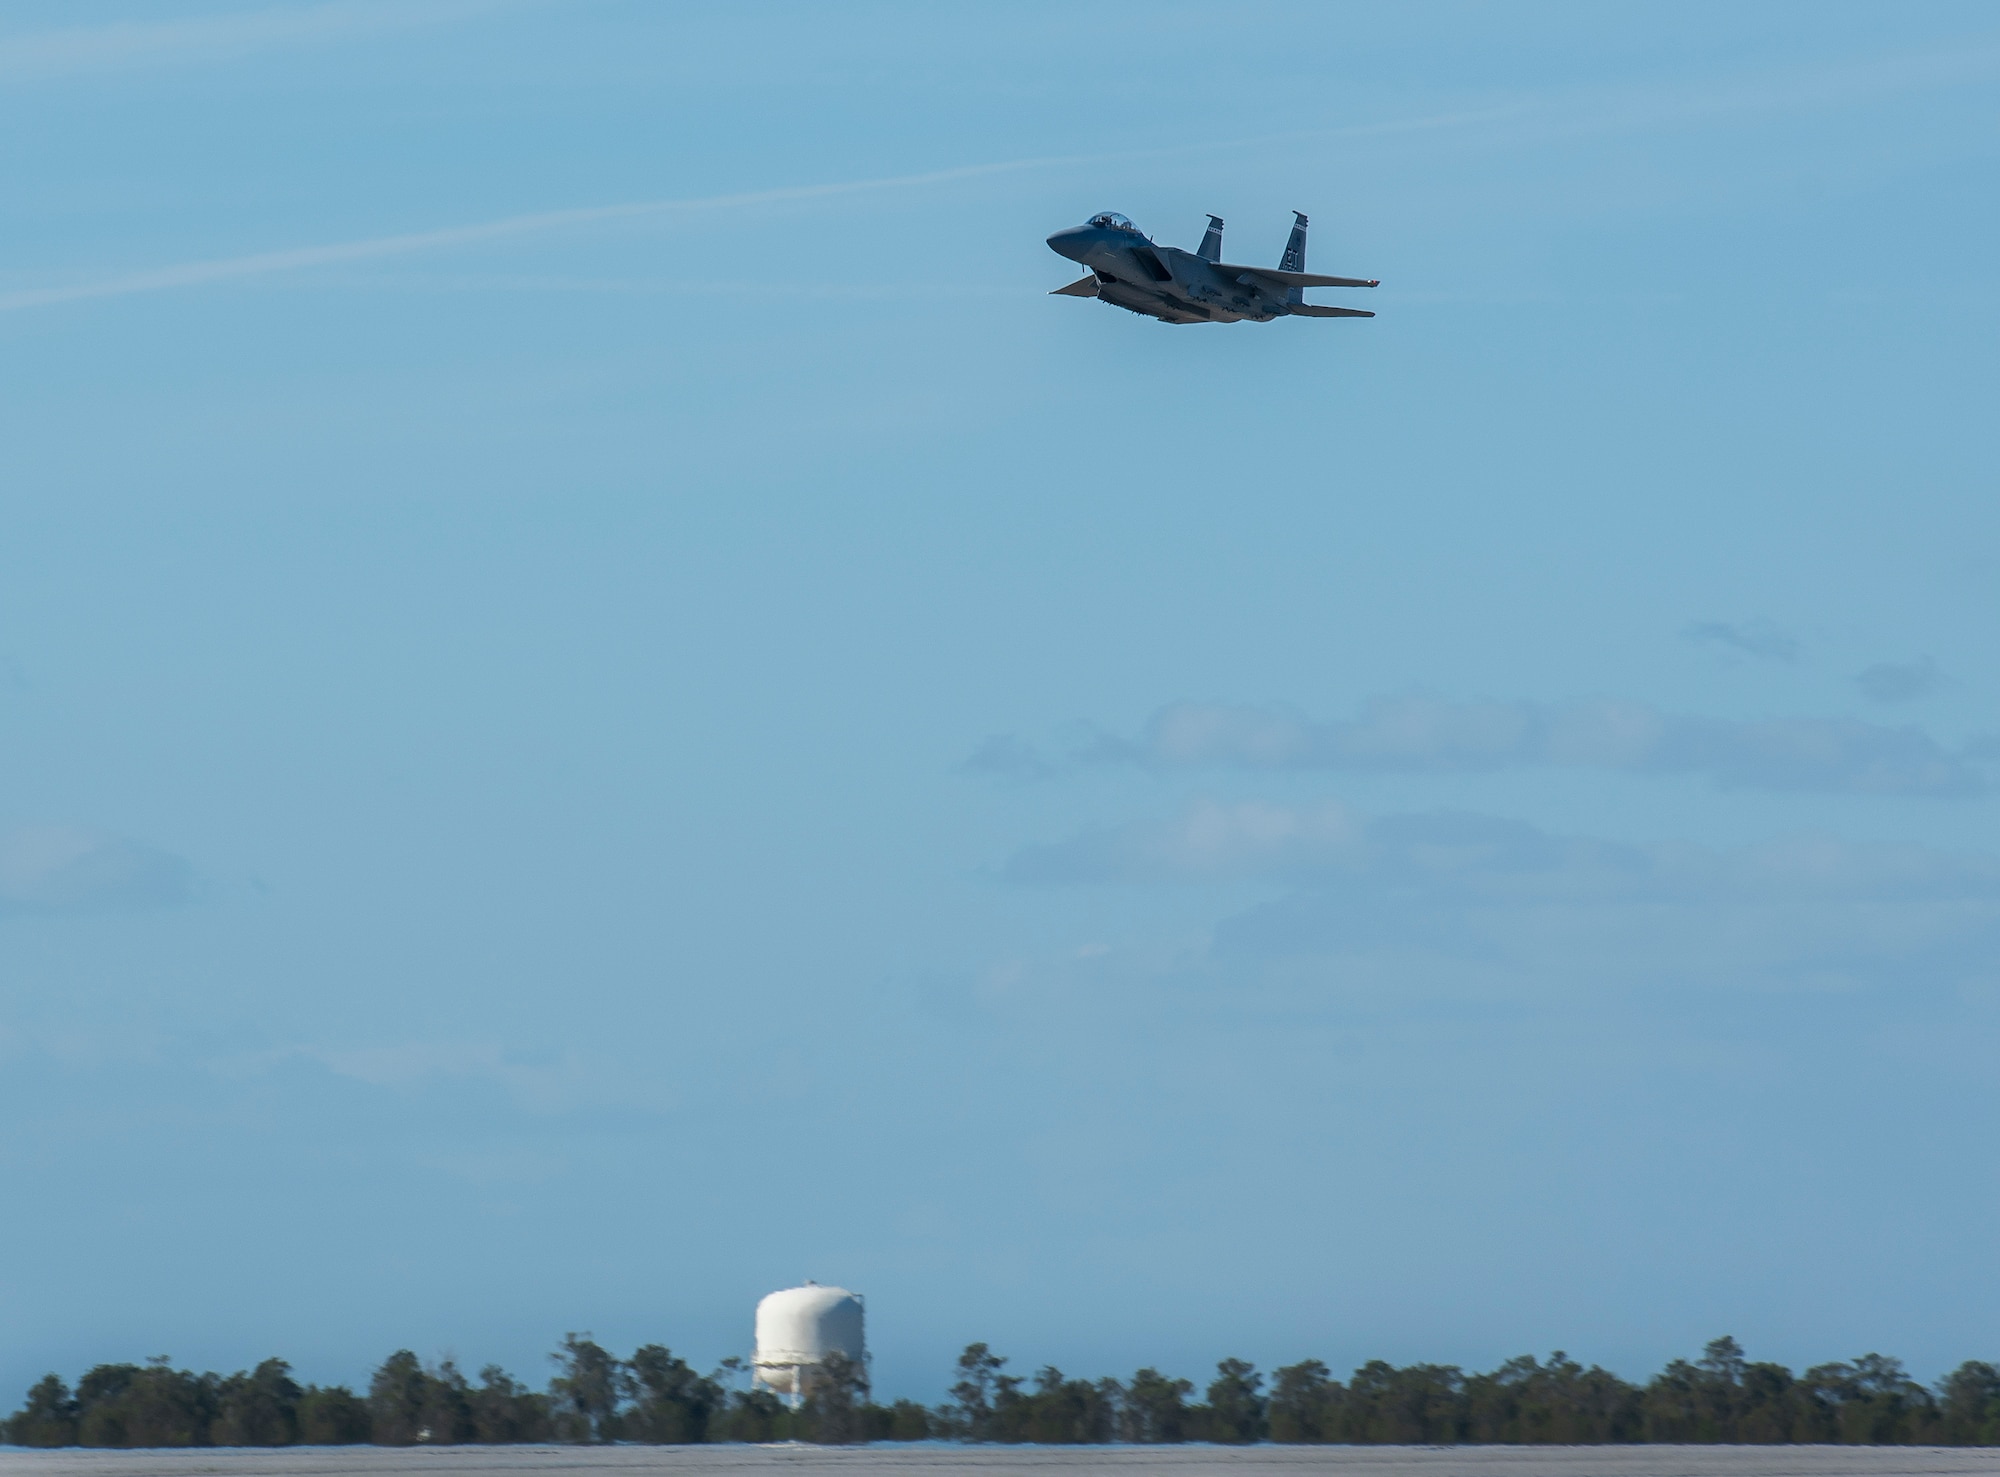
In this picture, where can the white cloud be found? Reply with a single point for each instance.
(1208, 842)
(1759, 638)
(540, 1082)
(1500, 897)
(1830, 755)
(1474, 854)
(1899, 682)
(1005, 756)
(72, 869)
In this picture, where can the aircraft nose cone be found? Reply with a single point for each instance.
(1069, 242)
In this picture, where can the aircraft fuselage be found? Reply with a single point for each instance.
(1164, 281)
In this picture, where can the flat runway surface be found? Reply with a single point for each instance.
(1014, 1461)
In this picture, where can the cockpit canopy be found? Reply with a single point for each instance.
(1112, 220)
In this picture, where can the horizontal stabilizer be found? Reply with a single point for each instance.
(1295, 279)
(1314, 310)
(1082, 287)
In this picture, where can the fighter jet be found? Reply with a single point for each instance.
(1129, 271)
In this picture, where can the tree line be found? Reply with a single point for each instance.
(656, 1397)
(1721, 1397)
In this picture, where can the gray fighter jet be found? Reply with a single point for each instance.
(1129, 271)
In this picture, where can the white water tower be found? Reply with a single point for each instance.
(798, 1328)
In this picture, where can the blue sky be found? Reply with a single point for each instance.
(604, 707)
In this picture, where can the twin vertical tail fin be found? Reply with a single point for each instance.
(1295, 257)
(1295, 249)
(1211, 244)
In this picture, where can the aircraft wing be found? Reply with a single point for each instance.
(1294, 279)
(1314, 310)
(1082, 287)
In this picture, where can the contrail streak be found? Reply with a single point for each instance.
(235, 268)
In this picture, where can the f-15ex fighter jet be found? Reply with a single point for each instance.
(1128, 271)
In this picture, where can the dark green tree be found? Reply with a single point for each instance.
(504, 1411)
(970, 1414)
(1607, 1407)
(1305, 1403)
(1420, 1404)
(46, 1418)
(586, 1391)
(752, 1415)
(1870, 1402)
(1769, 1409)
(1673, 1404)
(671, 1404)
(153, 1405)
(835, 1393)
(171, 1407)
(1505, 1405)
(1724, 1397)
(332, 1416)
(1236, 1404)
(1559, 1402)
(1055, 1410)
(1968, 1405)
(100, 1404)
(906, 1420)
(448, 1418)
(1082, 1412)
(1155, 1408)
(260, 1408)
(398, 1395)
